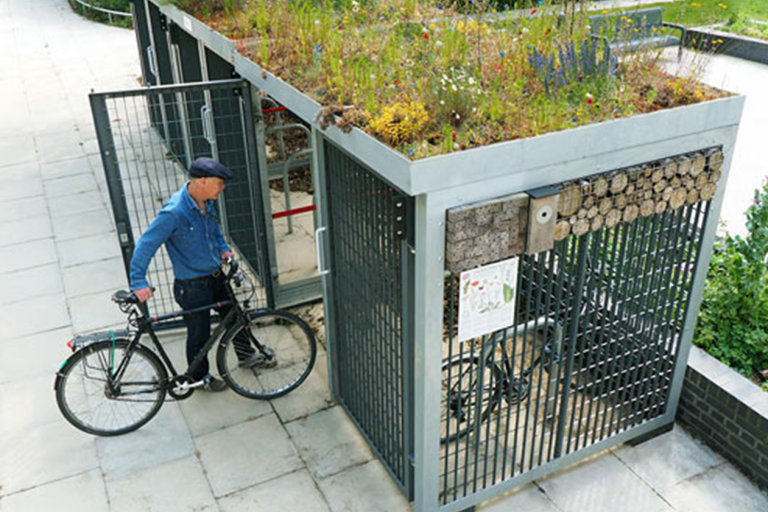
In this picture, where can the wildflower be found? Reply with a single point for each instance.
(722, 6)
(432, 26)
(506, 7)
(533, 11)
(695, 4)
(502, 54)
(603, 12)
(590, 99)
(498, 66)
(391, 8)
(526, 91)
(318, 48)
(426, 35)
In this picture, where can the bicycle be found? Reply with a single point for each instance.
(113, 384)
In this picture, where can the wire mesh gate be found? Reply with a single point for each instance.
(372, 365)
(147, 139)
(597, 329)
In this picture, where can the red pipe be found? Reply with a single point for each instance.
(295, 211)
(276, 109)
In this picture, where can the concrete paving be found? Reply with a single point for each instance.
(59, 263)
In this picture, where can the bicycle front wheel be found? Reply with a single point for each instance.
(269, 356)
(470, 392)
(90, 402)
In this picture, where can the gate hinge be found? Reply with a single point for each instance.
(400, 211)
(163, 23)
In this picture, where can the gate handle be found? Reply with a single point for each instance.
(151, 60)
(206, 115)
(318, 238)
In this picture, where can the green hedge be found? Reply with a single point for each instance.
(113, 5)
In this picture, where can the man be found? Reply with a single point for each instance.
(188, 226)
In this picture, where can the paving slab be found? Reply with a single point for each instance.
(30, 283)
(25, 230)
(310, 397)
(27, 404)
(20, 148)
(98, 276)
(21, 189)
(27, 255)
(66, 168)
(366, 487)
(17, 209)
(247, 454)
(70, 186)
(295, 491)
(90, 496)
(35, 355)
(601, 484)
(668, 459)
(328, 442)
(54, 146)
(95, 312)
(164, 439)
(209, 412)
(85, 203)
(32, 316)
(88, 249)
(176, 486)
(67, 227)
(528, 498)
(44, 454)
(720, 489)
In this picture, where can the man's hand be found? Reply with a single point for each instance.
(143, 294)
(227, 255)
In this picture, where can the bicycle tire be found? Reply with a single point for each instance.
(87, 369)
(293, 349)
(458, 404)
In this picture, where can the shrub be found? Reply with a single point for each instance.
(733, 322)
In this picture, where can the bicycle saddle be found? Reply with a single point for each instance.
(125, 297)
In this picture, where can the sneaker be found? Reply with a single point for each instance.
(213, 385)
(258, 360)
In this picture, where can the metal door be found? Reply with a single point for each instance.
(368, 300)
(146, 161)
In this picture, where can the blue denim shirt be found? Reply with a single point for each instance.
(194, 241)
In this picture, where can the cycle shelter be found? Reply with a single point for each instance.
(149, 136)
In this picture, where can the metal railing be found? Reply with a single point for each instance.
(108, 12)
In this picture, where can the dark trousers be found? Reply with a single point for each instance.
(195, 293)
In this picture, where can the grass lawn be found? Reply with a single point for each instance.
(707, 12)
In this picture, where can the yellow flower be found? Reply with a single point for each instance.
(401, 122)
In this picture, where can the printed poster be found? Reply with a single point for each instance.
(487, 297)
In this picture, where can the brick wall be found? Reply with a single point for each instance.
(728, 412)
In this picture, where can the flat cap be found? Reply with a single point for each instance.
(209, 168)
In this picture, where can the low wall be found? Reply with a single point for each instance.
(728, 412)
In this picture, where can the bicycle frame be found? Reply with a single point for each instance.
(145, 327)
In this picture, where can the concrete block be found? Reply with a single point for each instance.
(37, 253)
(328, 442)
(209, 412)
(164, 439)
(88, 249)
(30, 283)
(601, 484)
(33, 316)
(42, 354)
(666, 460)
(177, 485)
(99, 276)
(294, 491)
(70, 185)
(44, 454)
(90, 496)
(722, 488)
(247, 454)
(528, 497)
(366, 487)
(310, 397)
(68, 227)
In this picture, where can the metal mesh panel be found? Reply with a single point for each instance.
(144, 170)
(591, 352)
(370, 360)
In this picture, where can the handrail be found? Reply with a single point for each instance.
(108, 12)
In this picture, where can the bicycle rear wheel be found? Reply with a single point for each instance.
(469, 389)
(88, 401)
(287, 351)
